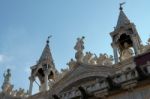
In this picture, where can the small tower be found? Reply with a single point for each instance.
(125, 39)
(44, 69)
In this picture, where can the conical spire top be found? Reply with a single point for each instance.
(122, 19)
(46, 54)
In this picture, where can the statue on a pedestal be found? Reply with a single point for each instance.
(7, 76)
(79, 48)
(79, 44)
(7, 87)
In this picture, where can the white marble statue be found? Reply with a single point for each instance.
(7, 87)
(79, 48)
(7, 77)
(127, 52)
(79, 44)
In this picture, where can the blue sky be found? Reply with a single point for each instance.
(25, 25)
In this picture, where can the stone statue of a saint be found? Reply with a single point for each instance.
(7, 87)
(7, 77)
(80, 44)
(79, 48)
(127, 52)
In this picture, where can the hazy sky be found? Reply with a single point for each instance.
(25, 25)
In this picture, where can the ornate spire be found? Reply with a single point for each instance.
(46, 54)
(122, 19)
(44, 69)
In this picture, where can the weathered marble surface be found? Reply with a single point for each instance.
(139, 93)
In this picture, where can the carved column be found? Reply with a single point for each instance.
(31, 84)
(46, 72)
(115, 52)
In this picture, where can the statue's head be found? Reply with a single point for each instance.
(8, 70)
(78, 39)
(126, 45)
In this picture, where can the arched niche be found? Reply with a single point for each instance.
(124, 38)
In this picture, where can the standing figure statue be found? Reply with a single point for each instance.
(7, 77)
(7, 87)
(79, 48)
(127, 52)
(80, 44)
